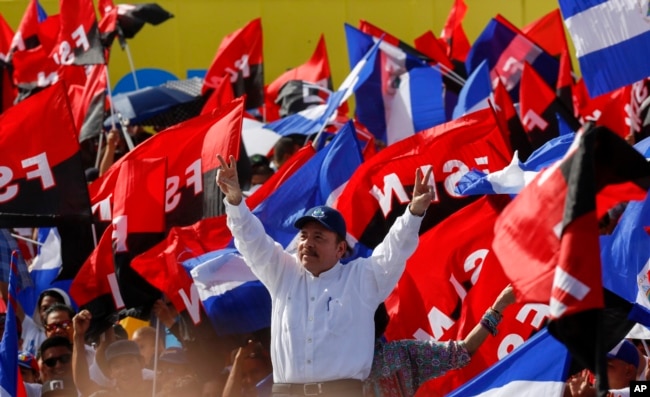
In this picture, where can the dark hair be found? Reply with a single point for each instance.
(52, 294)
(284, 146)
(59, 307)
(53, 341)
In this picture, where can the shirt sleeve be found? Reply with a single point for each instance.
(388, 259)
(266, 258)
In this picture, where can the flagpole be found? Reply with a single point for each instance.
(127, 137)
(131, 65)
(155, 358)
(29, 240)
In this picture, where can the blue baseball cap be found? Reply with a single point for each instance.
(625, 351)
(326, 216)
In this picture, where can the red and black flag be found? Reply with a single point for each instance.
(540, 108)
(509, 122)
(138, 225)
(88, 103)
(220, 96)
(27, 34)
(612, 110)
(78, 42)
(42, 179)
(7, 92)
(182, 145)
(95, 288)
(240, 58)
(43, 182)
(547, 241)
(453, 36)
(162, 266)
(126, 20)
(316, 71)
(565, 82)
(379, 191)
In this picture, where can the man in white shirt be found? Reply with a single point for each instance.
(322, 327)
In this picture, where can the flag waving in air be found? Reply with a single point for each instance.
(612, 40)
(552, 228)
(239, 58)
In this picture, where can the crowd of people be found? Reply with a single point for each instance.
(322, 311)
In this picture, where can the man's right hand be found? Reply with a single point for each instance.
(81, 323)
(228, 181)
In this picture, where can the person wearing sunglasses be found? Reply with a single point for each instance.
(55, 359)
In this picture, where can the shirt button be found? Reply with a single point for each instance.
(312, 298)
(308, 361)
(308, 340)
(311, 318)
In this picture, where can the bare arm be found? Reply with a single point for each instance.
(112, 140)
(479, 333)
(80, 372)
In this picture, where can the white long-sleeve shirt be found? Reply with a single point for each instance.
(322, 328)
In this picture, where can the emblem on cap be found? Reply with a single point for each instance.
(318, 213)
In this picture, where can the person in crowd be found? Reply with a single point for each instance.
(55, 359)
(401, 367)
(283, 149)
(261, 171)
(322, 310)
(33, 326)
(58, 321)
(172, 366)
(28, 367)
(622, 365)
(252, 365)
(145, 337)
(123, 358)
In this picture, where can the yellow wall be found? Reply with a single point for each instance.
(291, 28)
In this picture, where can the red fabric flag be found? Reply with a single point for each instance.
(7, 91)
(430, 46)
(42, 180)
(565, 81)
(509, 122)
(548, 33)
(316, 70)
(552, 229)
(161, 265)
(540, 107)
(453, 36)
(26, 35)
(88, 106)
(612, 110)
(96, 277)
(78, 42)
(138, 225)
(182, 145)
(240, 57)
(379, 190)
(221, 96)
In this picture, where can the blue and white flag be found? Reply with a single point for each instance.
(475, 93)
(313, 120)
(402, 96)
(516, 175)
(612, 41)
(234, 299)
(45, 268)
(318, 182)
(539, 367)
(9, 344)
